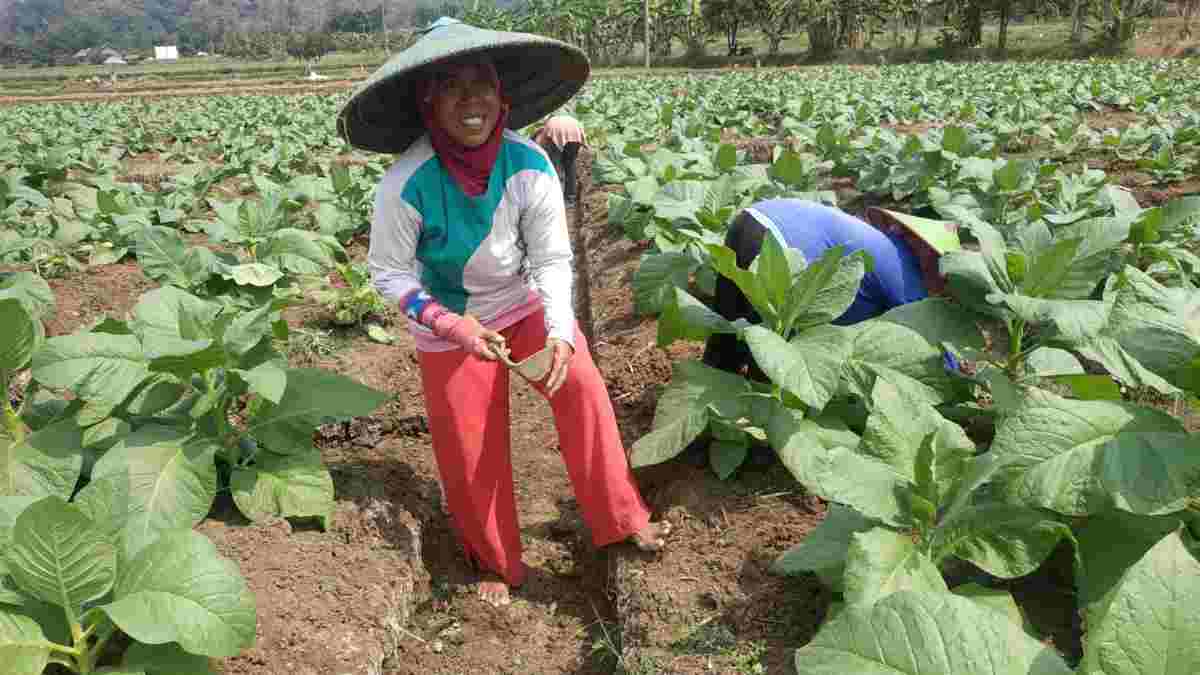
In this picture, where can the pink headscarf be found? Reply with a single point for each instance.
(470, 167)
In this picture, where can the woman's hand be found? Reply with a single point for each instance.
(468, 333)
(558, 370)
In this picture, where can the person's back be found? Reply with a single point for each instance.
(812, 228)
(562, 136)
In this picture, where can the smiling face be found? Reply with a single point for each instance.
(466, 104)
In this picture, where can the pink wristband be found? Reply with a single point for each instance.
(431, 313)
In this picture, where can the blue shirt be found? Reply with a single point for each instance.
(814, 228)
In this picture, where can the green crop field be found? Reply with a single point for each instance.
(1046, 403)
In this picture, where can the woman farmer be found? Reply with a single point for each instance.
(469, 237)
(561, 137)
(904, 250)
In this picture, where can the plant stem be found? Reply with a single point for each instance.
(12, 422)
(98, 648)
(80, 638)
(43, 644)
(1016, 333)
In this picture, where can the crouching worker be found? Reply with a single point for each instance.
(562, 137)
(469, 238)
(905, 251)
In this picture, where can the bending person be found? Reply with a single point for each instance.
(561, 138)
(904, 249)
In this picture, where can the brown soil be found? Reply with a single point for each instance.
(147, 169)
(84, 298)
(216, 88)
(1156, 195)
(1112, 118)
(913, 128)
(709, 603)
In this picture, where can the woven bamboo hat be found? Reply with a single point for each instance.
(939, 235)
(537, 74)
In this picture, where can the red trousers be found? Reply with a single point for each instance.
(467, 402)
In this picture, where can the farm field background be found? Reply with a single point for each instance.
(196, 266)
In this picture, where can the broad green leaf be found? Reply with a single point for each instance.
(724, 260)
(726, 157)
(100, 437)
(1146, 622)
(31, 290)
(681, 414)
(1110, 543)
(994, 251)
(790, 169)
(774, 272)
(1150, 473)
(46, 463)
(179, 589)
(1141, 337)
(823, 551)
(1006, 541)
(268, 380)
(1058, 446)
(59, 556)
(165, 659)
(1049, 269)
(1069, 322)
(1090, 387)
(10, 595)
(97, 367)
(996, 599)
(924, 633)
(937, 320)
(292, 486)
(1149, 321)
(1180, 212)
(898, 428)
(656, 278)
(897, 353)
(10, 508)
(19, 339)
(253, 274)
(824, 290)
(296, 251)
(686, 318)
(1097, 256)
(726, 456)
(22, 644)
(970, 282)
(843, 475)
(249, 328)
(160, 392)
(881, 562)
(313, 397)
(172, 322)
(1051, 361)
(809, 367)
(154, 480)
(164, 256)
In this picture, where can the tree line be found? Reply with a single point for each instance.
(52, 31)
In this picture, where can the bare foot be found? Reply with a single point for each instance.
(653, 537)
(493, 591)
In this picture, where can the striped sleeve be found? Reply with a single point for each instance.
(549, 256)
(395, 230)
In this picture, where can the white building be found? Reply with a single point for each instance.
(167, 53)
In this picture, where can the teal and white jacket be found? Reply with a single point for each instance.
(500, 256)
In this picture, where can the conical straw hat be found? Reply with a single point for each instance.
(537, 74)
